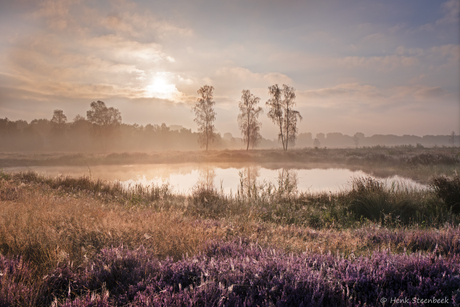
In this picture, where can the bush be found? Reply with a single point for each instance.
(206, 202)
(448, 189)
(370, 199)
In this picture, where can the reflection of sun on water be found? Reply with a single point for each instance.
(160, 88)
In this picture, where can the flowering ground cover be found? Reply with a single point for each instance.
(238, 273)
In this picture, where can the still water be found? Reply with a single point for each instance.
(182, 178)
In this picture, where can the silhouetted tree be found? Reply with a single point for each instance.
(79, 132)
(282, 113)
(105, 120)
(452, 138)
(316, 142)
(58, 117)
(247, 119)
(357, 138)
(276, 111)
(205, 116)
(58, 128)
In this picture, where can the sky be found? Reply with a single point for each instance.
(377, 67)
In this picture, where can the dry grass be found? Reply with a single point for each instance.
(46, 227)
(53, 221)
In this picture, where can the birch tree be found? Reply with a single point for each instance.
(282, 114)
(248, 118)
(291, 116)
(205, 116)
(275, 112)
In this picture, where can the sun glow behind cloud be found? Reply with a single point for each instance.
(161, 88)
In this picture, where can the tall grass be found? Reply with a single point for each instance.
(60, 241)
(369, 200)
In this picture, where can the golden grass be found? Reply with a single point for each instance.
(47, 226)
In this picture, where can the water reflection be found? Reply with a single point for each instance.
(206, 178)
(229, 178)
(287, 182)
(248, 180)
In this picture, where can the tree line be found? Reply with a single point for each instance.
(281, 113)
(102, 129)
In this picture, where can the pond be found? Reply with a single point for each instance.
(182, 178)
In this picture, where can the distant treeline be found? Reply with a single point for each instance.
(80, 135)
(339, 140)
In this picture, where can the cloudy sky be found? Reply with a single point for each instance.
(388, 67)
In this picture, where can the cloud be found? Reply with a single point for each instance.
(401, 50)
(244, 74)
(351, 93)
(379, 63)
(417, 92)
(56, 13)
(74, 58)
(450, 52)
(142, 25)
(451, 10)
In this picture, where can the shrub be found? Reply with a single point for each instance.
(206, 202)
(448, 189)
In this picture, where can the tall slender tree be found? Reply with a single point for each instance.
(282, 113)
(291, 116)
(275, 112)
(247, 119)
(205, 115)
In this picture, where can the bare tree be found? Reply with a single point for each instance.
(205, 115)
(247, 119)
(105, 120)
(282, 113)
(452, 138)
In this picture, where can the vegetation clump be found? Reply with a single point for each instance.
(448, 189)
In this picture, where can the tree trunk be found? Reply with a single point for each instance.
(248, 133)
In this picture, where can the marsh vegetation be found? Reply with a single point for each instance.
(77, 241)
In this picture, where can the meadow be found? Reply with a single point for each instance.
(83, 242)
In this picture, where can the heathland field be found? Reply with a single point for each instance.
(83, 242)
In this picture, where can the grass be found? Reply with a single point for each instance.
(45, 223)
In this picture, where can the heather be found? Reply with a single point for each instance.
(81, 242)
(239, 273)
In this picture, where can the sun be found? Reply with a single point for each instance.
(161, 88)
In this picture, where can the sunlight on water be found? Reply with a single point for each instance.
(182, 178)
